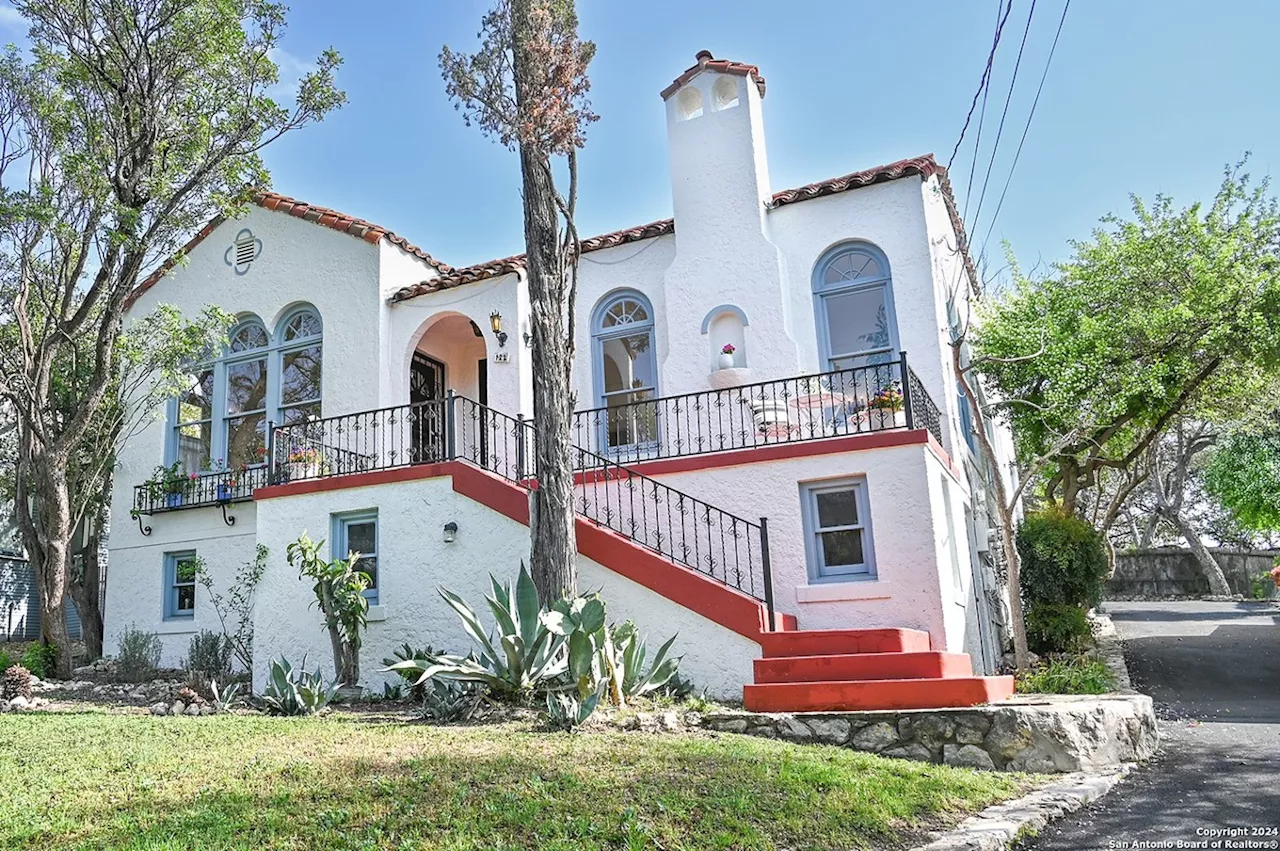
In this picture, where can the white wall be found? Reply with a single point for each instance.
(135, 586)
(912, 587)
(414, 561)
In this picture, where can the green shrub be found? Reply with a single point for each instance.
(139, 657)
(1081, 675)
(6, 661)
(1064, 560)
(208, 662)
(41, 660)
(300, 693)
(1056, 628)
(209, 655)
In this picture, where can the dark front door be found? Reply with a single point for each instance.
(426, 396)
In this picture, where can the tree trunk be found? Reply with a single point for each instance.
(1212, 571)
(553, 557)
(86, 591)
(46, 534)
(553, 560)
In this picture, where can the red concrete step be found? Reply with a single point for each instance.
(875, 694)
(829, 642)
(862, 666)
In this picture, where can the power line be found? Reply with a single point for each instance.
(982, 84)
(1030, 115)
(985, 88)
(986, 178)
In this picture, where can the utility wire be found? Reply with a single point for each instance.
(986, 178)
(982, 84)
(982, 115)
(1030, 115)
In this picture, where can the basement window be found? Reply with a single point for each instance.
(837, 524)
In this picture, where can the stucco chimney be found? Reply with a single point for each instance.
(715, 135)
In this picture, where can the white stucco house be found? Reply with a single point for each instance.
(775, 462)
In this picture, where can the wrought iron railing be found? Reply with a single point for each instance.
(858, 400)
(362, 442)
(688, 531)
(198, 491)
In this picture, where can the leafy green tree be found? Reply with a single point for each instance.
(1244, 475)
(134, 123)
(526, 86)
(1170, 313)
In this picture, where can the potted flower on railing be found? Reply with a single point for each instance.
(888, 406)
(305, 462)
(726, 356)
(166, 485)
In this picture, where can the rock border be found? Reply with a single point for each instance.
(999, 826)
(1110, 648)
(1042, 734)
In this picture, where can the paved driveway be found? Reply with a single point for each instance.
(1214, 672)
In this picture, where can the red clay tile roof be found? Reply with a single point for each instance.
(925, 166)
(448, 279)
(359, 228)
(706, 62)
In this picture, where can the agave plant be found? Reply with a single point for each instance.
(568, 710)
(224, 697)
(300, 693)
(531, 657)
(630, 652)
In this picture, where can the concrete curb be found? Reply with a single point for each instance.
(999, 826)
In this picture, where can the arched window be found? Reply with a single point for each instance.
(854, 303)
(220, 421)
(245, 394)
(300, 361)
(626, 367)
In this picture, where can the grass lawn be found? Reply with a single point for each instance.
(102, 780)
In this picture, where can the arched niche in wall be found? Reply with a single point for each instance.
(726, 325)
(724, 94)
(689, 102)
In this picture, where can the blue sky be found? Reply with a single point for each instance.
(1143, 96)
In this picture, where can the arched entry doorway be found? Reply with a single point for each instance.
(450, 355)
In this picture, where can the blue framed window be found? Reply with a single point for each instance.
(625, 364)
(837, 524)
(853, 301)
(220, 421)
(180, 584)
(358, 533)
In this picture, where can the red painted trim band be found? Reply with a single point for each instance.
(774, 452)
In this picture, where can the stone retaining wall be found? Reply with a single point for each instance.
(1173, 572)
(1041, 733)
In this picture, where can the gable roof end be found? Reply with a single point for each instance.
(341, 222)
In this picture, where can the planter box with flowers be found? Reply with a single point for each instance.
(168, 486)
(887, 408)
(304, 462)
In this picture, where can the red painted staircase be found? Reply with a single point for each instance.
(863, 669)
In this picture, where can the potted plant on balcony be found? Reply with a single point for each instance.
(888, 407)
(305, 462)
(726, 356)
(166, 485)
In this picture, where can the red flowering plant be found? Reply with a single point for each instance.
(728, 349)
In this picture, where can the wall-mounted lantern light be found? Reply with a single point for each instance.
(450, 532)
(495, 322)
